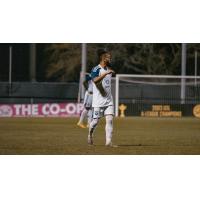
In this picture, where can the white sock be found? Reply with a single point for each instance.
(83, 115)
(109, 128)
(89, 116)
(93, 125)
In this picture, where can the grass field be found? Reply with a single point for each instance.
(146, 136)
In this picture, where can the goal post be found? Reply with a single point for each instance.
(156, 89)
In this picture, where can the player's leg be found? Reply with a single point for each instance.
(109, 113)
(89, 117)
(96, 115)
(89, 107)
(109, 129)
(92, 127)
(82, 117)
(85, 111)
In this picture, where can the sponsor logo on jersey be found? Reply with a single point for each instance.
(107, 82)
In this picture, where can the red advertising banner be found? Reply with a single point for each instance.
(41, 110)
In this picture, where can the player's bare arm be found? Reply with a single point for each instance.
(98, 82)
(100, 78)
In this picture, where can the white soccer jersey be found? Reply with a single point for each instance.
(90, 86)
(89, 93)
(88, 100)
(98, 99)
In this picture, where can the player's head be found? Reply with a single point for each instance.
(105, 57)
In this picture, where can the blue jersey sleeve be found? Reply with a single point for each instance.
(95, 72)
(88, 78)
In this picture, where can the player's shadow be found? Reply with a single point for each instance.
(129, 145)
(137, 145)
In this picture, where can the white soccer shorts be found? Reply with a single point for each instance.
(102, 111)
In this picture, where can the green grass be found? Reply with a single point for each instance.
(146, 136)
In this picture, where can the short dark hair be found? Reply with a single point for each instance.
(101, 52)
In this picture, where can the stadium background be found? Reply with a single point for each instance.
(48, 74)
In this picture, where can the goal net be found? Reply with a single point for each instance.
(142, 93)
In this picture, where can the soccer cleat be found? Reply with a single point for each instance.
(110, 144)
(90, 140)
(81, 125)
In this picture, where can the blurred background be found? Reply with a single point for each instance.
(62, 62)
(47, 73)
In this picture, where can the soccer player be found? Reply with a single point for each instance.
(102, 103)
(87, 111)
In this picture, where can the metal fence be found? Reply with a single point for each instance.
(38, 92)
(138, 98)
